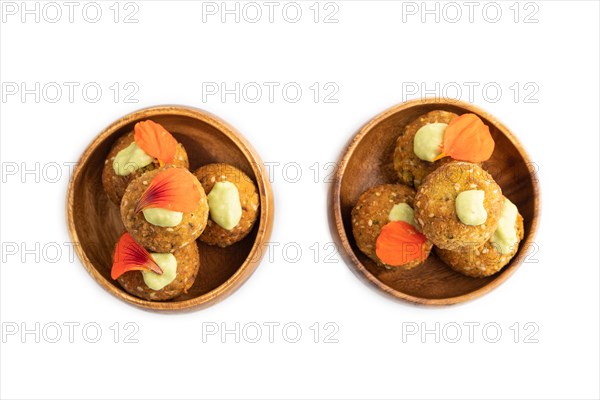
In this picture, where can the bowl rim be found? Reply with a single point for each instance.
(265, 222)
(342, 237)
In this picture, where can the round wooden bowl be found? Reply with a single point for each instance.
(368, 162)
(95, 223)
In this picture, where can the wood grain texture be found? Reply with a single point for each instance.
(367, 161)
(95, 225)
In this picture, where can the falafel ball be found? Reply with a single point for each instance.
(458, 205)
(410, 168)
(375, 208)
(233, 202)
(486, 260)
(166, 238)
(114, 185)
(188, 263)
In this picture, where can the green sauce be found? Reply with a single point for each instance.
(224, 205)
(505, 236)
(168, 263)
(469, 207)
(130, 159)
(163, 217)
(427, 143)
(402, 212)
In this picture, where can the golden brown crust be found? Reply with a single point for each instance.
(188, 264)
(435, 210)
(411, 169)
(114, 185)
(481, 261)
(157, 238)
(214, 234)
(371, 213)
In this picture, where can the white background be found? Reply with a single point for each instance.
(371, 53)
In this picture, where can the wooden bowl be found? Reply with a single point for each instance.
(368, 162)
(95, 223)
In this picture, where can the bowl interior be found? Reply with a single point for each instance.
(368, 162)
(97, 220)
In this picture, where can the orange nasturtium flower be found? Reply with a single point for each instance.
(175, 189)
(467, 138)
(155, 140)
(400, 243)
(130, 256)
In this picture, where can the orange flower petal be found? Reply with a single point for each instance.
(175, 189)
(130, 256)
(440, 156)
(400, 243)
(467, 138)
(155, 140)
